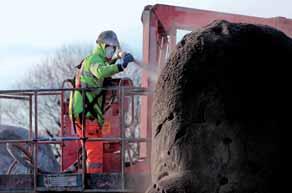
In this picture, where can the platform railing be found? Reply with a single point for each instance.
(33, 139)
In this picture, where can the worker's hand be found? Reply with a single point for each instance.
(126, 59)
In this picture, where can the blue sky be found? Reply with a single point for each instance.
(32, 29)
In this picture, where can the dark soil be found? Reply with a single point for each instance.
(221, 112)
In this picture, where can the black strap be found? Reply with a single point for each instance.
(107, 83)
(72, 82)
(110, 103)
(89, 106)
(80, 64)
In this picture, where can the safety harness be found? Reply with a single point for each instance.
(89, 105)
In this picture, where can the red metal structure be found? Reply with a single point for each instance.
(160, 26)
(111, 130)
(120, 173)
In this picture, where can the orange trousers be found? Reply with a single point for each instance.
(94, 149)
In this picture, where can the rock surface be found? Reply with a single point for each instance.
(46, 158)
(219, 111)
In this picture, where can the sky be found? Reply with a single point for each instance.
(32, 29)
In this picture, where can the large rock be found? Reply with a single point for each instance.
(219, 111)
(46, 158)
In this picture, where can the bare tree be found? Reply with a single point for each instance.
(51, 73)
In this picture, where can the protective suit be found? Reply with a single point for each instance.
(93, 70)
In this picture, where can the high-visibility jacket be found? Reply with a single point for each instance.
(93, 71)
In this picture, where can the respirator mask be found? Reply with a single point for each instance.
(109, 51)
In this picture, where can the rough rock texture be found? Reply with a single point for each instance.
(46, 158)
(219, 111)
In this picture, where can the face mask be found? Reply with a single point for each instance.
(109, 52)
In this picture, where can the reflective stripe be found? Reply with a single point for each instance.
(94, 165)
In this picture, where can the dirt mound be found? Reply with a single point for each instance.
(219, 111)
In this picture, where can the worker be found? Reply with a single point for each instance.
(96, 67)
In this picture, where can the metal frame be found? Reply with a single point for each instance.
(35, 141)
(160, 25)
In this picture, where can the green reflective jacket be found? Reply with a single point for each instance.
(92, 73)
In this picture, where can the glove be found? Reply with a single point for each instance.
(126, 59)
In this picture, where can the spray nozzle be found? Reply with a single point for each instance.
(121, 54)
